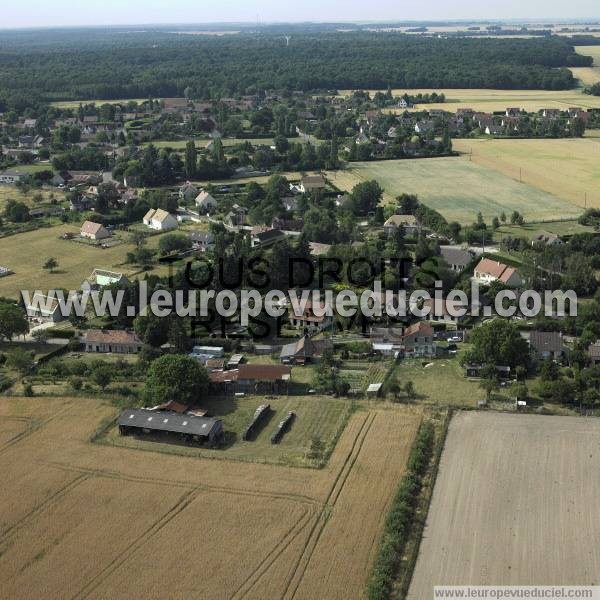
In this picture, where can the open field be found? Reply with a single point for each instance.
(187, 527)
(457, 187)
(531, 230)
(8, 192)
(74, 104)
(25, 253)
(567, 168)
(588, 75)
(512, 499)
(495, 100)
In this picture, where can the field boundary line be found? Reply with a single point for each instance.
(187, 484)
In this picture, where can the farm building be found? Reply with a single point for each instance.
(117, 341)
(298, 353)
(190, 428)
(94, 231)
(255, 378)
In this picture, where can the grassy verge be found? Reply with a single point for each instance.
(399, 546)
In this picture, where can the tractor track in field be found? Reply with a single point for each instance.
(316, 531)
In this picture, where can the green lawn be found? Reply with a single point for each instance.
(316, 416)
(458, 188)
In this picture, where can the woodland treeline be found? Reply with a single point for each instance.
(112, 64)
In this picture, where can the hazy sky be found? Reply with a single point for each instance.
(35, 13)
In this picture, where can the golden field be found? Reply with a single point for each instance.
(566, 168)
(588, 75)
(486, 100)
(83, 520)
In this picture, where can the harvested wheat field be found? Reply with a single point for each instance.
(85, 520)
(568, 168)
(513, 498)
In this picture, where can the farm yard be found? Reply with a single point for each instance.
(314, 419)
(513, 496)
(76, 261)
(566, 168)
(261, 531)
(458, 188)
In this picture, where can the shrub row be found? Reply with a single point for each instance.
(400, 519)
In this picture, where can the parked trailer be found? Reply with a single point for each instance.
(283, 427)
(261, 412)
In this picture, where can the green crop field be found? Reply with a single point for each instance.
(458, 188)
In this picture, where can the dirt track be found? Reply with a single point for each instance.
(516, 502)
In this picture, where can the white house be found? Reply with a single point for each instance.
(94, 231)
(487, 271)
(408, 222)
(160, 220)
(205, 202)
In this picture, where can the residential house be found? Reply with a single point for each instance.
(101, 278)
(546, 344)
(493, 129)
(418, 340)
(202, 240)
(409, 224)
(443, 311)
(160, 220)
(266, 238)
(312, 183)
(424, 126)
(456, 258)
(81, 203)
(12, 177)
(114, 341)
(513, 112)
(236, 217)
(547, 239)
(43, 308)
(94, 231)
(487, 271)
(188, 192)
(205, 202)
(551, 113)
(403, 103)
(594, 353)
(308, 320)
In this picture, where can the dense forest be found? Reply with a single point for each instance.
(109, 64)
